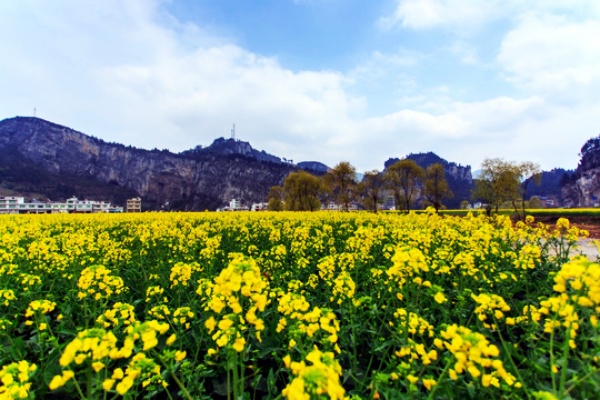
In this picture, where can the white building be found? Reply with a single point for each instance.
(259, 206)
(10, 204)
(234, 204)
(18, 205)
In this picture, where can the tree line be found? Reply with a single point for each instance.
(405, 180)
(500, 183)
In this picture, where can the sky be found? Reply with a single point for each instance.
(313, 80)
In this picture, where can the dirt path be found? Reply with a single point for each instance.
(585, 246)
(588, 248)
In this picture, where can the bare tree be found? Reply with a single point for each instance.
(341, 182)
(371, 190)
(404, 178)
(436, 187)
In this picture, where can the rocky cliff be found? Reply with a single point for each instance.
(583, 187)
(187, 181)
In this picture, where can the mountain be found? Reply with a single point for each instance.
(458, 177)
(582, 188)
(551, 183)
(225, 147)
(315, 167)
(40, 158)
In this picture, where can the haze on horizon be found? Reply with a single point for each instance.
(322, 80)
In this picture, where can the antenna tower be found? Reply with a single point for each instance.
(233, 132)
(34, 113)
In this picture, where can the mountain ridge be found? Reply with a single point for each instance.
(163, 179)
(73, 163)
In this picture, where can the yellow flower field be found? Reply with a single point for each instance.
(296, 306)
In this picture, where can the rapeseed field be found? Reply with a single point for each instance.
(297, 306)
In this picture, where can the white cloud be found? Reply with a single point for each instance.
(128, 72)
(553, 55)
(468, 16)
(459, 15)
(137, 79)
(466, 52)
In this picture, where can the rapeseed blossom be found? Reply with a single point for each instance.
(15, 380)
(389, 300)
(6, 296)
(98, 283)
(321, 377)
(474, 354)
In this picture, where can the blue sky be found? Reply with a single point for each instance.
(324, 80)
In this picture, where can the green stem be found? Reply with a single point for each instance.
(586, 376)
(552, 360)
(228, 384)
(78, 388)
(238, 378)
(442, 376)
(89, 383)
(185, 392)
(507, 352)
(564, 360)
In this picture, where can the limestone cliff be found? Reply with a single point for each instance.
(163, 179)
(583, 188)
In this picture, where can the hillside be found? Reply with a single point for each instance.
(43, 158)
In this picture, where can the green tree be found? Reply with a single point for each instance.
(528, 172)
(404, 178)
(497, 183)
(341, 182)
(276, 198)
(436, 187)
(505, 182)
(535, 202)
(371, 190)
(301, 192)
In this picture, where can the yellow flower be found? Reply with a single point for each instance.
(180, 355)
(440, 298)
(55, 383)
(429, 383)
(124, 386)
(225, 324)
(210, 324)
(171, 340)
(108, 384)
(60, 380)
(239, 344)
(117, 374)
(97, 366)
